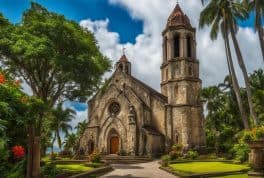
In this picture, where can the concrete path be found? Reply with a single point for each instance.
(142, 170)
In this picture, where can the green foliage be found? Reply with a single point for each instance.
(55, 56)
(18, 170)
(95, 157)
(177, 147)
(165, 160)
(192, 154)
(70, 142)
(50, 171)
(175, 154)
(241, 151)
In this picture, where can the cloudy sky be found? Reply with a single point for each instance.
(137, 25)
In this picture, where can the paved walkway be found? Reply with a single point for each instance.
(142, 170)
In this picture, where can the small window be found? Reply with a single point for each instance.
(167, 74)
(189, 46)
(177, 46)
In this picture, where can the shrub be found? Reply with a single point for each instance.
(165, 160)
(50, 171)
(174, 155)
(122, 153)
(19, 170)
(192, 154)
(177, 147)
(95, 157)
(241, 151)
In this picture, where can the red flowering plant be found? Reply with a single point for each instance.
(254, 134)
(18, 151)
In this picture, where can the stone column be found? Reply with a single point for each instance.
(132, 132)
(170, 47)
(183, 44)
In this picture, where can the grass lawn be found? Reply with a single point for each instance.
(206, 167)
(234, 176)
(74, 167)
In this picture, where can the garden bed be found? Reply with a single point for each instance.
(204, 168)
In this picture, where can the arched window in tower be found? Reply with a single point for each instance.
(165, 48)
(176, 45)
(120, 67)
(189, 46)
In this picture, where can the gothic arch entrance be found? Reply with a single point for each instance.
(90, 146)
(113, 142)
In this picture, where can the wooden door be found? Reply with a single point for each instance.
(114, 145)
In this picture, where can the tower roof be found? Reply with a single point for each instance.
(178, 18)
(123, 58)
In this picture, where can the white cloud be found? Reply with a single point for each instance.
(145, 54)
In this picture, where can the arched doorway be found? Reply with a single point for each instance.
(114, 145)
(113, 142)
(90, 147)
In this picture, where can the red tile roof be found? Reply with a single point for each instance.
(178, 18)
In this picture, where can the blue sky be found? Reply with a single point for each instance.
(77, 10)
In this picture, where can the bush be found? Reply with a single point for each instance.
(174, 155)
(50, 171)
(192, 154)
(165, 160)
(177, 147)
(95, 157)
(19, 170)
(241, 151)
(122, 153)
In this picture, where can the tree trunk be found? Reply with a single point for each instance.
(261, 40)
(245, 75)
(235, 82)
(30, 152)
(36, 158)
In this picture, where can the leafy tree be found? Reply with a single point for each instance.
(81, 127)
(56, 57)
(219, 15)
(60, 122)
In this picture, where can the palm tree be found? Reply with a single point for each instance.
(217, 14)
(258, 7)
(60, 122)
(70, 142)
(81, 127)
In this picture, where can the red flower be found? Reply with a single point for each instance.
(2, 78)
(18, 151)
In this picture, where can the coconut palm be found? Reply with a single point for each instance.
(81, 126)
(219, 15)
(258, 7)
(60, 122)
(70, 142)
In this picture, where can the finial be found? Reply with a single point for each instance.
(124, 50)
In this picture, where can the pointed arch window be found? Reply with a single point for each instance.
(176, 90)
(189, 46)
(176, 45)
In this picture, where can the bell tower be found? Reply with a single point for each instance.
(180, 81)
(179, 59)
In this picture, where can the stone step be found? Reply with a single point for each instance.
(125, 159)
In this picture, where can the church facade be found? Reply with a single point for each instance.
(128, 117)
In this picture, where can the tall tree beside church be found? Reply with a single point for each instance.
(217, 14)
(56, 57)
(257, 6)
(61, 123)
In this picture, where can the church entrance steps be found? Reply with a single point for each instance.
(116, 159)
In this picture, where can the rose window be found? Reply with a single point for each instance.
(114, 108)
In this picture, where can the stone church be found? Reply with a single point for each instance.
(128, 116)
